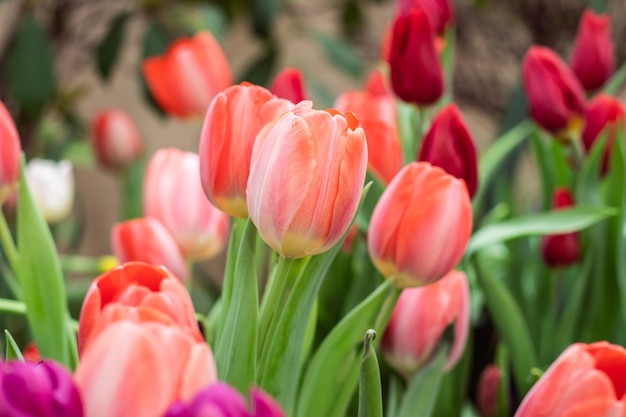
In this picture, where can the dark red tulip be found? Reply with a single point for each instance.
(603, 112)
(564, 249)
(593, 59)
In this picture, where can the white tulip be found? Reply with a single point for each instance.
(52, 186)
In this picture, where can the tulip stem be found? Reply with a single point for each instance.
(12, 306)
(8, 244)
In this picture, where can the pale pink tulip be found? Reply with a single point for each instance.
(116, 139)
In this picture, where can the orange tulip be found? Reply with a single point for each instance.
(377, 117)
(10, 151)
(116, 139)
(420, 226)
(128, 287)
(231, 125)
(584, 381)
(306, 180)
(140, 369)
(189, 75)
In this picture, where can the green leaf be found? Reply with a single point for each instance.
(366, 210)
(109, 49)
(370, 391)
(263, 15)
(613, 86)
(421, 394)
(12, 350)
(193, 18)
(545, 161)
(42, 281)
(341, 54)
(599, 6)
(132, 181)
(548, 223)
(155, 42)
(236, 349)
(31, 67)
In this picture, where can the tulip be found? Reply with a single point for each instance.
(440, 12)
(306, 180)
(147, 240)
(43, 389)
(487, 393)
(449, 145)
(604, 114)
(419, 320)
(52, 186)
(263, 405)
(140, 369)
(555, 96)
(10, 151)
(564, 249)
(231, 125)
(132, 285)
(420, 226)
(289, 84)
(416, 71)
(173, 194)
(377, 117)
(585, 380)
(377, 84)
(189, 75)
(593, 59)
(116, 139)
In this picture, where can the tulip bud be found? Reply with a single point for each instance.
(487, 393)
(43, 389)
(420, 319)
(593, 59)
(585, 380)
(147, 240)
(289, 84)
(231, 125)
(133, 285)
(306, 180)
(10, 151)
(52, 186)
(116, 139)
(564, 249)
(420, 226)
(439, 12)
(376, 84)
(555, 96)
(449, 145)
(603, 112)
(416, 71)
(186, 78)
(173, 194)
(377, 117)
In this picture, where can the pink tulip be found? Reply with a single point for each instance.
(186, 78)
(420, 226)
(419, 320)
(172, 193)
(289, 84)
(306, 180)
(487, 393)
(116, 139)
(10, 151)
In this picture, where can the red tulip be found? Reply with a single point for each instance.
(376, 83)
(604, 113)
(119, 293)
(586, 380)
(231, 125)
(173, 194)
(416, 71)
(140, 369)
(420, 226)
(487, 393)
(306, 180)
(564, 249)
(116, 139)
(449, 145)
(289, 84)
(377, 117)
(593, 59)
(439, 12)
(555, 97)
(147, 240)
(189, 75)
(10, 153)
(420, 319)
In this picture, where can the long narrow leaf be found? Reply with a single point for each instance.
(12, 350)
(370, 391)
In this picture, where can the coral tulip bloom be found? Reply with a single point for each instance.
(593, 59)
(147, 240)
(585, 380)
(10, 151)
(421, 317)
(289, 84)
(116, 139)
(132, 285)
(377, 117)
(603, 112)
(140, 369)
(172, 193)
(420, 226)
(306, 181)
(231, 125)
(189, 75)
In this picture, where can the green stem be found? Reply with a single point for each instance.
(394, 396)
(8, 244)
(80, 264)
(12, 306)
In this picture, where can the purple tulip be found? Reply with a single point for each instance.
(43, 389)
(263, 405)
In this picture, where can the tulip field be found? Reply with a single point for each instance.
(376, 261)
